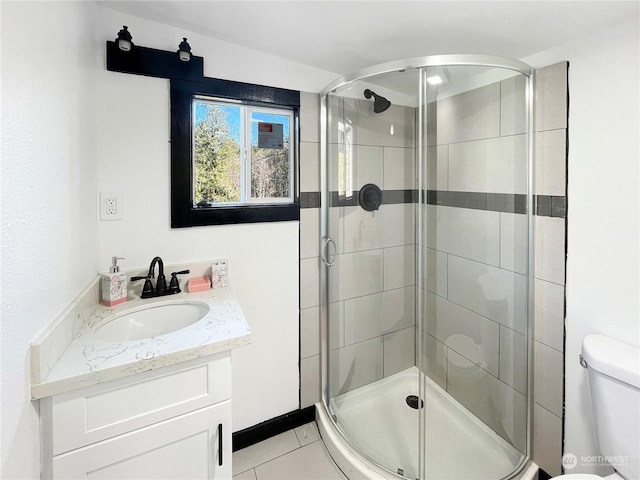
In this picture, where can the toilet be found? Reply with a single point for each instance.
(614, 381)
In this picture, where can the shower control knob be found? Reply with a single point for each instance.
(370, 197)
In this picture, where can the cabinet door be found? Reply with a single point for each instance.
(192, 446)
(103, 411)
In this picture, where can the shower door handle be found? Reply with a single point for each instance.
(325, 251)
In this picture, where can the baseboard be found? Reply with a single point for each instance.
(542, 475)
(270, 428)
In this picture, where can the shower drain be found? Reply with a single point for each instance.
(412, 401)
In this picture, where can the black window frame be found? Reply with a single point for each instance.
(183, 212)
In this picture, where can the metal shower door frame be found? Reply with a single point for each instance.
(487, 61)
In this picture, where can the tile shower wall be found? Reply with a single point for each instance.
(372, 303)
(551, 104)
(309, 249)
(476, 289)
(474, 348)
(372, 282)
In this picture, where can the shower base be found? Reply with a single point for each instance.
(379, 422)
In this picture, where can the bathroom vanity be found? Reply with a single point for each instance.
(157, 407)
(174, 422)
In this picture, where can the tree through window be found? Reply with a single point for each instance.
(241, 154)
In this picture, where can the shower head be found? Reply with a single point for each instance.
(380, 104)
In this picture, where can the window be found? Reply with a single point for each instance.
(233, 153)
(345, 160)
(241, 154)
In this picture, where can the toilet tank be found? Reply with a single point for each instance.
(614, 381)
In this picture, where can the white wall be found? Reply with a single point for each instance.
(221, 59)
(63, 141)
(49, 231)
(133, 156)
(603, 208)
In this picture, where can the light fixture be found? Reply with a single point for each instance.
(124, 39)
(184, 50)
(438, 76)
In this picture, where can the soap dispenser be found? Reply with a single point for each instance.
(113, 285)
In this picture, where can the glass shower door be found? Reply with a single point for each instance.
(426, 227)
(370, 242)
(474, 220)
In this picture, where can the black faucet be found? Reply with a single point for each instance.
(161, 284)
(148, 291)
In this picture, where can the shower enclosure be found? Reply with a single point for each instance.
(426, 229)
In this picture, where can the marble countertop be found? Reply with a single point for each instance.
(89, 361)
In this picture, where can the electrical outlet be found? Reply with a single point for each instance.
(111, 206)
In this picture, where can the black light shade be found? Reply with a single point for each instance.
(124, 39)
(184, 50)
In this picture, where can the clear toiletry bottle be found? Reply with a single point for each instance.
(113, 285)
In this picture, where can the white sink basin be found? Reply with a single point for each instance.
(150, 321)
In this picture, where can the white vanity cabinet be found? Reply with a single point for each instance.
(169, 423)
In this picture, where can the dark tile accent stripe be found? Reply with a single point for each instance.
(270, 428)
(310, 200)
(551, 206)
(559, 207)
(497, 202)
(545, 205)
(344, 200)
(390, 197)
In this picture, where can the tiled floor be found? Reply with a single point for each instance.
(298, 454)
